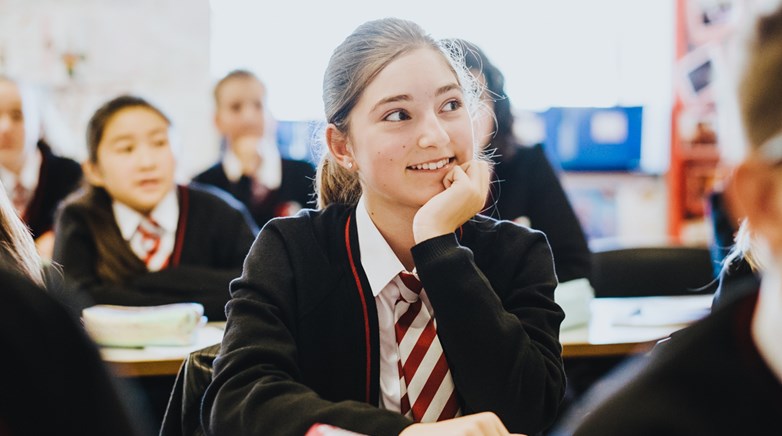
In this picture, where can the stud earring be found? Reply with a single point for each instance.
(350, 165)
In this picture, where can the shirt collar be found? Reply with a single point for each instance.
(380, 263)
(270, 172)
(166, 214)
(28, 177)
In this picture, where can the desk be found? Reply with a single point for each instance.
(622, 326)
(618, 326)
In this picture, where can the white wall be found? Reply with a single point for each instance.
(157, 49)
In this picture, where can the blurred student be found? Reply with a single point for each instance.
(395, 308)
(54, 381)
(723, 375)
(251, 168)
(525, 187)
(35, 179)
(134, 237)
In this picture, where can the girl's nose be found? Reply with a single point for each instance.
(433, 133)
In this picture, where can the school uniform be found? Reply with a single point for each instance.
(527, 191)
(287, 184)
(213, 234)
(302, 344)
(48, 179)
(708, 379)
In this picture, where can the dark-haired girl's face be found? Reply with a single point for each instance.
(135, 162)
(12, 133)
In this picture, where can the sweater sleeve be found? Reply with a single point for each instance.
(501, 339)
(258, 387)
(75, 250)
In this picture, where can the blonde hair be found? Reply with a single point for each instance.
(759, 103)
(353, 65)
(17, 248)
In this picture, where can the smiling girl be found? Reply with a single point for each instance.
(134, 237)
(394, 308)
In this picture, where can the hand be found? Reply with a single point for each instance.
(247, 149)
(480, 424)
(466, 188)
(45, 245)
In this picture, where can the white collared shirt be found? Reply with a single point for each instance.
(28, 177)
(382, 268)
(270, 171)
(166, 214)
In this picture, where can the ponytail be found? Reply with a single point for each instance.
(334, 184)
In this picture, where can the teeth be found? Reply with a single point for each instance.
(431, 165)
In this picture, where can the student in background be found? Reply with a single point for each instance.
(396, 255)
(134, 237)
(723, 375)
(35, 179)
(525, 187)
(251, 168)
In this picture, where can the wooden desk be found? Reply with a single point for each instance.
(150, 361)
(618, 326)
(622, 326)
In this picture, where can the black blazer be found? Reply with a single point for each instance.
(59, 177)
(526, 185)
(213, 236)
(301, 345)
(295, 187)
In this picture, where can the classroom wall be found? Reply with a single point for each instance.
(158, 49)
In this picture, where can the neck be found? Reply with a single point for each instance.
(396, 226)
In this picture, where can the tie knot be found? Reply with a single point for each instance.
(412, 288)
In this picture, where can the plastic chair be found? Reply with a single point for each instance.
(652, 271)
(183, 414)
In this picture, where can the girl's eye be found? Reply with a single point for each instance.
(452, 105)
(399, 115)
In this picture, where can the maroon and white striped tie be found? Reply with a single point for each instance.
(426, 386)
(149, 234)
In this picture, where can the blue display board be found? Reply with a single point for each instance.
(594, 139)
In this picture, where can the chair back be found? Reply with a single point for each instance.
(183, 414)
(652, 271)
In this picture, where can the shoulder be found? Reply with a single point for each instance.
(211, 173)
(317, 220)
(211, 196)
(491, 230)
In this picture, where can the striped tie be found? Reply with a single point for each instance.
(426, 387)
(149, 234)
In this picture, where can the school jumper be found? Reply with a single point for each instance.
(301, 344)
(213, 236)
(527, 186)
(708, 379)
(295, 187)
(59, 176)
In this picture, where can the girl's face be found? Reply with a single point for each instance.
(408, 129)
(240, 110)
(12, 134)
(135, 163)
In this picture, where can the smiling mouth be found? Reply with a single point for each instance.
(432, 166)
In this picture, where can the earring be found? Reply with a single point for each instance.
(350, 165)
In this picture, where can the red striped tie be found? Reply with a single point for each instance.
(427, 390)
(149, 231)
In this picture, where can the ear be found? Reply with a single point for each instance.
(340, 148)
(756, 192)
(92, 173)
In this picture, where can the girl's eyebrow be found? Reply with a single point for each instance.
(405, 97)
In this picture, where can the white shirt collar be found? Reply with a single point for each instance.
(28, 177)
(270, 171)
(166, 214)
(380, 263)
